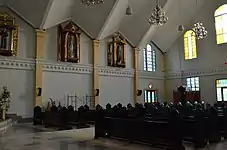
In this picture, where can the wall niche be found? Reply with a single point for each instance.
(116, 54)
(69, 42)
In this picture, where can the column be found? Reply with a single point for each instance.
(136, 73)
(96, 54)
(165, 79)
(38, 65)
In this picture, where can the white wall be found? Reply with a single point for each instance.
(211, 57)
(58, 85)
(116, 84)
(20, 85)
(155, 78)
(116, 89)
(62, 78)
(17, 73)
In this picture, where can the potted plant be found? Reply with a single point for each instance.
(4, 102)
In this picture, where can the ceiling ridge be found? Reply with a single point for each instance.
(7, 6)
(45, 15)
(152, 29)
(108, 19)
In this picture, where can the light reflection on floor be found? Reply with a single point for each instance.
(26, 137)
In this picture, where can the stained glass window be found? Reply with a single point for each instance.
(190, 45)
(220, 24)
(149, 56)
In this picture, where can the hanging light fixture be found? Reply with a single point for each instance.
(200, 31)
(128, 10)
(91, 3)
(180, 26)
(158, 16)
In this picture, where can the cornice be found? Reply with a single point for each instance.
(19, 64)
(64, 67)
(197, 72)
(113, 71)
(151, 75)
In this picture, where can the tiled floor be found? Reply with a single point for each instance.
(25, 137)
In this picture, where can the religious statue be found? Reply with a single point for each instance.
(4, 36)
(119, 54)
(116, 52)
(69, 43)
(72, 49)
(8, 35)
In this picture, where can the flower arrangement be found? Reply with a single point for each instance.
(4, 100)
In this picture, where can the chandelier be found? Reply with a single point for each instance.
(200, 31)
(91, 3)
(158, 16)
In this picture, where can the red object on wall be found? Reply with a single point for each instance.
(189, 96)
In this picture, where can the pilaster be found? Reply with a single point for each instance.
(136, 73)
(165, 79)
(40, 34)
(96, 54)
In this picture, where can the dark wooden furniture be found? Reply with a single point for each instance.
(191, 96)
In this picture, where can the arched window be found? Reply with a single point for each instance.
(149, 56)
(190, 45)
(221, 24)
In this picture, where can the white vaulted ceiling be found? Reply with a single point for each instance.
(105, 19)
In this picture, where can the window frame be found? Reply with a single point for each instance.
(220, 88)
(190, 45)
(193, 86)
(221, 32)
(150, 60)
(146, 100)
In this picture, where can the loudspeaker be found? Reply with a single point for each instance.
(39, 91)
(96, 92)
(139, 92)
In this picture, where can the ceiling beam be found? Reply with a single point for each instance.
(152, 29)
(45, 15)
(114, 19)
(57, 12)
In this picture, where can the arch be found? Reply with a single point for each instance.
(220, 24)
(190, 51)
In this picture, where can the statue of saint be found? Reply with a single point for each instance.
(119, 54)
(4, 36)
(72, 48)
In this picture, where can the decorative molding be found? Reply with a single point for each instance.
(65, 67)
(19, 64)
(118, 72)
(199, 72)
(151, 75)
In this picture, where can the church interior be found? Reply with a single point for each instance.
(98, 60)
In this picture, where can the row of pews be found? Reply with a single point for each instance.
(64, 118)
(164, 125)
(159, 124)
